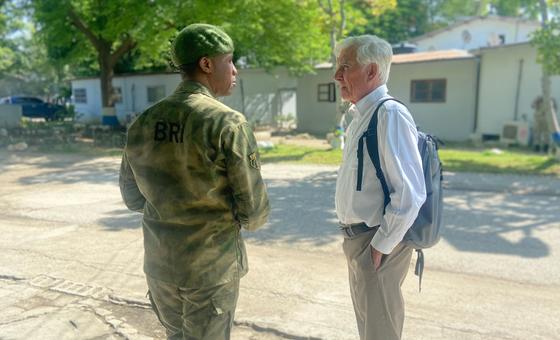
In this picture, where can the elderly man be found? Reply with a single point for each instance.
(377, 259)
(191, 166)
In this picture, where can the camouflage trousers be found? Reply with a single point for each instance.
(194, 313)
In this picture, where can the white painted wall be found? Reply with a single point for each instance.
(134, 89)
(498, 86)
(89, 112)
(10, 116)
(263, 94)
(451, 120)
(314, 116)
(482, 31)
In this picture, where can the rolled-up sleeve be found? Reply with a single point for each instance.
(130, 192)
(402, 166)
(251, 205)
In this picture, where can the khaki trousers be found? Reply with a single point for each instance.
(377, 296)
(194, 314)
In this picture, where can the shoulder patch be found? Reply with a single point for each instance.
(254, 161)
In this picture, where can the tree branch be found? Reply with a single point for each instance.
(82, 27)
(325, 9)
(342, 19)
(127, 45)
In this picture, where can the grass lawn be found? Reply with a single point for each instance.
(453, 159)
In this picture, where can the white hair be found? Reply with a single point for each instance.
(369, 49)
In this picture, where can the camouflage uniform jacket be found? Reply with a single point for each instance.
(191, 165)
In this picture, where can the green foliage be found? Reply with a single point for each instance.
(300, 154)
(267, 33)
(273, 33)
(408, 19)
(450, 10)
(7, 26)
(517, 162)
(547, 41)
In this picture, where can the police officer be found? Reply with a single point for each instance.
(191, 166)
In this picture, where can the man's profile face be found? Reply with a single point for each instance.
(351, 76)
(223, 74)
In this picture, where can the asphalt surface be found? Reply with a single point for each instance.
(71, 264)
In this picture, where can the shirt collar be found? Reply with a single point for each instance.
(190, 86)
(365, 104)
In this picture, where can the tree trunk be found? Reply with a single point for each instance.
(106, 65)
(106, 70)
(545, 81)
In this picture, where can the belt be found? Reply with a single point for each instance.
(351, 230)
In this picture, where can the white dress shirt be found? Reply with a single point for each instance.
(401, 165)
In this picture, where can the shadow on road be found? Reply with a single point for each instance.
(121, 219)
(301, 211)
(499, 223)
(69, 169)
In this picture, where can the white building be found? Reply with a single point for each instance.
(260, 95)
(438, 87)
(477, 32)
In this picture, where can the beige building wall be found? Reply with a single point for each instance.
(450, 120)
(262, 95)
(500, 70)
(314, 116)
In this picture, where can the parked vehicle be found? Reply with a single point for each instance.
(33, 107)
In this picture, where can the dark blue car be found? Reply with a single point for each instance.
(33, 107)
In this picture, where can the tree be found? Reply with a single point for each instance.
(342, 16)
(450, 10)
(407, 19)
(74, 30)
(266, 33)
(547, 40)
(7, 53)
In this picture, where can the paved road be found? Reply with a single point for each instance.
(71, 264)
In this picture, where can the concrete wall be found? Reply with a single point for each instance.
(315, 116)
(451, 120)
(266, 94)
(481, 31)
(10, 116)
(498, 86)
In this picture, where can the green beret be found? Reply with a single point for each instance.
(199, 40)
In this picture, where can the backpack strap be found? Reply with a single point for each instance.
(370, 136)
(419, 269)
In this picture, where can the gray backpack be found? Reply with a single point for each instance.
(425, 231)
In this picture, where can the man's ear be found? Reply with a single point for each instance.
(373, 71)
(205, 64)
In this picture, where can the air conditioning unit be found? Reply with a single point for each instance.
(515, 132)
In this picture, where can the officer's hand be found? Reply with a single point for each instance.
(376, 256)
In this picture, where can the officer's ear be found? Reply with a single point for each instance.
(205, 64)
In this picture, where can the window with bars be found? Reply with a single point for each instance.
(428, 91)
(80, 96)
(326, 92)
(117, 94)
